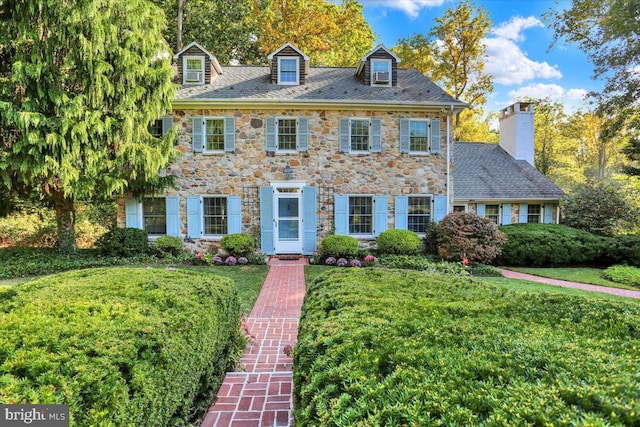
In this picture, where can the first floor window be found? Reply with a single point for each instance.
(361, 215)
(154, 216)
(359, 135)
(418, 131)
(533, 213)
(155, 128)
(492, 212)
(214, 211)
(287, 134)
(214, 135)
(459, 208)
(419, 214)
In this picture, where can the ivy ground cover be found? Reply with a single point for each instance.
(381, 347)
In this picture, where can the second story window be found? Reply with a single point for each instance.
(214, 135)
(193, 70)
(287, 134)
(359, 135)
(380, 72)
(288, 70)
(418, 136)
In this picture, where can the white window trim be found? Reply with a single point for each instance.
(278, 150)
(360, 152)
(204, 135)
(431, 202)
(297, 59)
(366, 236)
(184, 70)
(499, 219)
(428, 151)
(212, 237)
(151, 237)
(389, 63)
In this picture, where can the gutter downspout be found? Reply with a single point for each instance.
(449, 114)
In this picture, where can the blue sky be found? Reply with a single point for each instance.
(518, 47)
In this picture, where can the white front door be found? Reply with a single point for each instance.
(288, 221)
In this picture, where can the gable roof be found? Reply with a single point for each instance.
(272, 54)
(378, 47)
(189, 46)
(485, 172)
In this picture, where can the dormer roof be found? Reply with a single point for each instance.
(214, 61)
(301, 53)
(371, 52)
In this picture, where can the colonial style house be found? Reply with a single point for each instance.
(292, 153)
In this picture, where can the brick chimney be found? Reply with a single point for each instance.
(516, 131)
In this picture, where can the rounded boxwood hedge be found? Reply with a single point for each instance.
(339, 247)
(123, 242)
(120, 346)
(238, 244)
(398, 242)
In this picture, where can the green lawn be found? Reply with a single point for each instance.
(590, 276)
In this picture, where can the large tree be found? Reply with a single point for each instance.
(83, 81)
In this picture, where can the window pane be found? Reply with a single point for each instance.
(360, 215)
(214, 134)
(154, 215)
(419, 214)
(288, 70)
(288, 208)
(380, 66)
(359, 135)
(155, 128)
(215, 215)
(194, 64)
(492, 212)
(287, 134)
(533, 213)
(418, 136)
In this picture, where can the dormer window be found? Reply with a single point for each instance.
(288, 70)
(380, 72)
(193, 69)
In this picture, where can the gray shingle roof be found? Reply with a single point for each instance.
(485, 171)
(251, 83)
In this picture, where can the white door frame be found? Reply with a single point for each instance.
(287, 190)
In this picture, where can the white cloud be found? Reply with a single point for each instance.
(576, 94)
(410, 7)
(538, 91)
(512, 30)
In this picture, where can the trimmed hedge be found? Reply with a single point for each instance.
(123, 242)
(339, 247)
(382, 347)
(399, 242)
(238, 244)
(121, 346)
(624, 274)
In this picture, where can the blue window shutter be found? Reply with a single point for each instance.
(548, 213)
(234, 215)
(309, 220)
(172, 205)
(345, 141)
(381, 219)
(197, 131)
(194, 217)
(341, 212)
(402, 209)
(506, 214)
(405, 140)
(167, 124)
(439, 207)
(132, 212)
(524, 213)
(267, 242)
(376, 135)
(303, 134)
(480, 209)
(230, 134)
(270, 135)
(435, 136)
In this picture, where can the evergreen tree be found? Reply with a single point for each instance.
(80, 84)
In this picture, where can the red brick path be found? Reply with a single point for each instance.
(259, 392)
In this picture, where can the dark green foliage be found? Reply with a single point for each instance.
(339, 247)
(484, 270)
(431, 239)
(398, 242)
(238, 244)
(465, 235)
(621, 250)
(420, 262)
(167, 245)
(120, 346)
(624, 274)
(391, 348)
(123, 242)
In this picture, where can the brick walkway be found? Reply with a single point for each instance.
(613, 291)
(259, 392)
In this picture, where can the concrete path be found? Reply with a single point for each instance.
(259, 393)
(595, 288)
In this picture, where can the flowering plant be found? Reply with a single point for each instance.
(355, 263)
(216, 260)
(342, 262)
(230, 260)
(465, 261)
(330, 261)
(242, 260)
(200, 257)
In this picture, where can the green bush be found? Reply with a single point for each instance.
(120, 346)
(431, 237)
(339, 247)
(398, 242)
(422, 263)
(621, 250)
(168, 245)
(123, 242)
(624, 274)
(238, 244)
(391, 348)
(465, 235)
(548, 245)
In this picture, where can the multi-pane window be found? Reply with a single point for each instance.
(154, 216)
(419, 213)
(155, 128)
(459, 208)
(214, 135)
(361, 215)
(418, 140)
(214, 211)
(533, 213)
(359, 135)
(492, 212)
(287, 134)
(287, 70)
(193, 70)
(381, 72)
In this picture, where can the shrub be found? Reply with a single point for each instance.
(548, 245)
(111, 343)
(420, 262)
(238, 244)
(391, 348)
(467, 235)
(398, 242)
(621, 250)
(257, 259)
(167, 245)
(624, 274)
(123, 242)
(484, 270)
(431, 239)
(339, 247)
